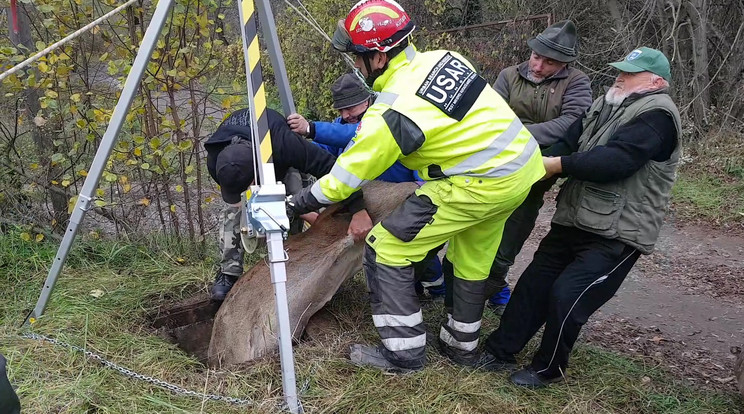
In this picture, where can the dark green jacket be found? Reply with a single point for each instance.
(547, 108)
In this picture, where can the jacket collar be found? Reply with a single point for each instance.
(401, 60)
(636, 96)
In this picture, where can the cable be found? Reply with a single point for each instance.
(314, 24)
(54, 46)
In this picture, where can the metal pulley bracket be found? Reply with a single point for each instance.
(265, 211)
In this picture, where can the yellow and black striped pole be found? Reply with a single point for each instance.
(256, 90)
(269, 197)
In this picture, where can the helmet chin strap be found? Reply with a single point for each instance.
(372, 75)
(367, 65)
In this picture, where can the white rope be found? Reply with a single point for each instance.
(80, 31)
(314, 24)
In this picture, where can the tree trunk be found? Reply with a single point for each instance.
(43, 137)
(697, 12)
(620, 25)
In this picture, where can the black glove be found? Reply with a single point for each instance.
(303, 202)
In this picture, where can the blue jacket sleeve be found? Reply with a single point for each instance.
(334, 134)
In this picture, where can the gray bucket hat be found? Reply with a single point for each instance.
(348, 91)
(557, 42)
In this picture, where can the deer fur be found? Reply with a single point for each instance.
(320, 259)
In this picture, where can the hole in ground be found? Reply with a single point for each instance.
(188, 324)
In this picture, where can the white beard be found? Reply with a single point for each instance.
(534, 79)
(615, 96)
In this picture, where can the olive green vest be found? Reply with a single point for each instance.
(630, 210)
(535, 103)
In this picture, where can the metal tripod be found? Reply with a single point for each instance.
(266, 211)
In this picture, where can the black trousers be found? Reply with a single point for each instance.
(516, 231)
(572, 274)
(9, 403)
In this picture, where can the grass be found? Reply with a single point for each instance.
(136, 280)
(710, 184)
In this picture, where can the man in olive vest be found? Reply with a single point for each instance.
(623, 158)
(547, 95)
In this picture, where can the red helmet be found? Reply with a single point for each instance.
(373, 25)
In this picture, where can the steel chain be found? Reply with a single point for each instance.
(129, 373)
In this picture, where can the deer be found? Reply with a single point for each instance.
(320, 260)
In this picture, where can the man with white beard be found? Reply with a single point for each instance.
(623, 157)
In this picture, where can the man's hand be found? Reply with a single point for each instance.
(360, 225)
(310, 217)
(552, 166)
(298, 124)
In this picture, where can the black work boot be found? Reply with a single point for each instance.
(528, 377)
(222, 284)
(489, 362)
(458, 356)
(370, 356)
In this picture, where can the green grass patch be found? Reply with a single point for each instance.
(710, 184)
(136, 279)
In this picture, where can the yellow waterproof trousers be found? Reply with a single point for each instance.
(470, 213)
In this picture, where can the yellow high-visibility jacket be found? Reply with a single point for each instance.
(436, 115)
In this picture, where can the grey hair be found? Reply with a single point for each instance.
(655, 77)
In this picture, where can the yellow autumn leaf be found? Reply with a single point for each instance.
(34, 166)
(39, 237)
(43, 67)
(138, 152)
(144, 202)
(66, 183)
(55, 182)
(100, 192)
(25, 237)
(123, 179)
(83, 173)
(127, 188)
(179, 189)
(75, 97)
(173, 208)
(208, 199)
(71, 204)
(180, 260)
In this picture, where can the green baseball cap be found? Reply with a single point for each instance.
(645, 59)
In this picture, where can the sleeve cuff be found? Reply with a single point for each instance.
(311, 130)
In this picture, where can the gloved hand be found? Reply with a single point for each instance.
(303, 202)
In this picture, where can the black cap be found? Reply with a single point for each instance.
(557, 42)
(348, 91)
(234, 170)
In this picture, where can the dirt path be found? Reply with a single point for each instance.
(682, 306)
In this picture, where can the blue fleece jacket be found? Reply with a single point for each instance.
(335, 136)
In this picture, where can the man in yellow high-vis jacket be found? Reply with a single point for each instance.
(436, 115)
